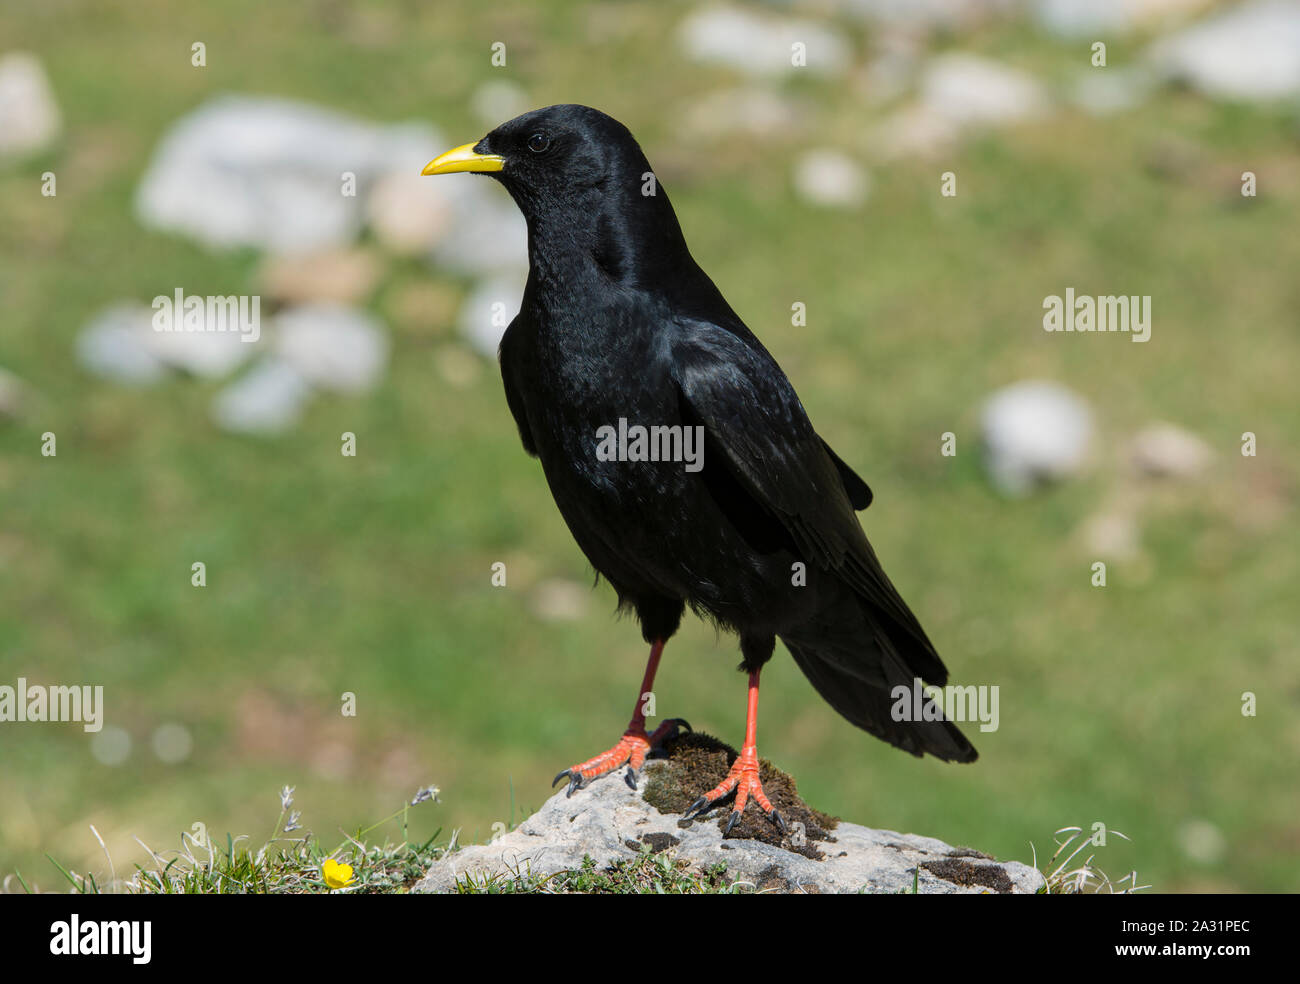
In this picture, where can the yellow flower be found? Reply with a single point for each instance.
(336, 875)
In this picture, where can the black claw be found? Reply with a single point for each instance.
(698, 804)
(776, 819)
(630, 778)
(575, 781)
(735, 816)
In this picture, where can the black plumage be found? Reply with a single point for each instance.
(618, 321)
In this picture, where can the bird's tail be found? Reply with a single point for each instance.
(863, 687)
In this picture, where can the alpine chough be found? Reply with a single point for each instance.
(678, 453)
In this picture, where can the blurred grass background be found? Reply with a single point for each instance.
(371, 574)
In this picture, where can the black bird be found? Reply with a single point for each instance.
(620, 329)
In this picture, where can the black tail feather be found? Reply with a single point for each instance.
(869, 705)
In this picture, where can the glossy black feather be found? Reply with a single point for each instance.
(618, 321)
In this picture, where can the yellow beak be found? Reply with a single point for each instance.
(463, 158)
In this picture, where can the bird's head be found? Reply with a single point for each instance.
(585, 189)
(551, 155)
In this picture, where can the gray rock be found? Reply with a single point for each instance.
(1034, 432)
(1166, 451)
(1099, 20)
(116, 345)
(489, 309)
(487, 232)
(914, 130)
(927, 14)
(268, 173)
(972, 91)
(332, 346)
(761, 44)
(1103, 91)
(959, 93)
(831, 178)
(1113, 531)
(408, 213)
(345, 276)
(498, 100)
(603, 819)
(121, 343)
(1249, 52)
(556, 599)
(268, 399)
(29, 116)
(749, 110)
(213, 352)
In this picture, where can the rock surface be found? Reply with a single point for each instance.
(1250, 52)
(1034, 432)
(609, 822)
(29, 116)
(270, 173)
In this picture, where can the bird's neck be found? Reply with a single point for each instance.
(598, 236)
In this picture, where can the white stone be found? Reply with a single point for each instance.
(602, 819)
(332, 346)
(268, 173)
(972, 91)
(488, 232)
(29, 115)
(116, 345)
(212, 353)
(751, 110)
(927, 14)
(1201, 840)
(761, 45)
(1166, 451)
(409, 213)
(172, 742)
(345, 276)
(1248, 52)
(110, 745)
(558, 600)
(914, 131)
(489, 309)
(498, 100)
(1034, 431)
(268, 399)
(1100, 19)
(831, 178)
(1103, 91)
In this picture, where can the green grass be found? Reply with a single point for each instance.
(371, 575)
(283, 865)
(646, 874)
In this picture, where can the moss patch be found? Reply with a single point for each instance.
(960, 871)
(696, 762)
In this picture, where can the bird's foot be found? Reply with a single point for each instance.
(632, 748)
(743, 778)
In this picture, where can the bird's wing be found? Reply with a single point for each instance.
(750, 410)
(859, 492)
(510, 360)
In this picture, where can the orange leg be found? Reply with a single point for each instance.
(743, 777)
(635, 744)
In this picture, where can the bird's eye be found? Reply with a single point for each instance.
(538, 142)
